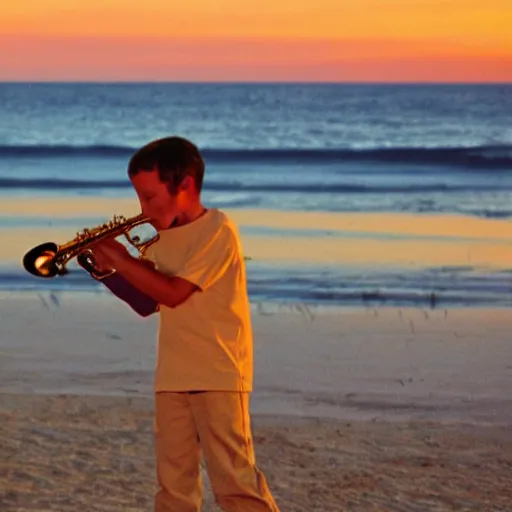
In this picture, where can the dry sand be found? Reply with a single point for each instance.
(66, 454)
(381, 410)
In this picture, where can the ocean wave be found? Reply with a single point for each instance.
(265, 187)
(61, 184)
(58, 150)
(483, 157)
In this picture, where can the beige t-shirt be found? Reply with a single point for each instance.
(205, 343)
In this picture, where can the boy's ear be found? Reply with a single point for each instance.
(187, 184)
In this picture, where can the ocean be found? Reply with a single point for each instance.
(420, 150)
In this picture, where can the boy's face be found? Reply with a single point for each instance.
(156, 201)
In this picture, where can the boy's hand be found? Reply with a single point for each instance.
(94, 263)
(108, 252)
(103, 264)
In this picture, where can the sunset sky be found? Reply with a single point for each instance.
(251, 40)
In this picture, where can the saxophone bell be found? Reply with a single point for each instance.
(40, 261)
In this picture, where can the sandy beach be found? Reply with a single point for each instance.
(353, 409)
(65, 453)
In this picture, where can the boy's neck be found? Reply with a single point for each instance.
(190, 215)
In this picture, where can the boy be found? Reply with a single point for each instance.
(196, 280)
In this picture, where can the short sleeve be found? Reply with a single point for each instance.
(210, 258)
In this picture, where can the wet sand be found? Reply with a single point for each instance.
(400, 240)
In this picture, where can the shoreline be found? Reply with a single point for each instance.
(344, 259)
(315, 287)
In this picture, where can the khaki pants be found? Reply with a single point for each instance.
(215, 425)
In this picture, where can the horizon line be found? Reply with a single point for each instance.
(248, 82)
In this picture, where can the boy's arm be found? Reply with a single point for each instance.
(208, 263)
(167, 290)
(141, 303)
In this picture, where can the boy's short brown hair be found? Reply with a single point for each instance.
(173, 157)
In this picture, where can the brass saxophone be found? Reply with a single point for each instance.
(49, 259)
